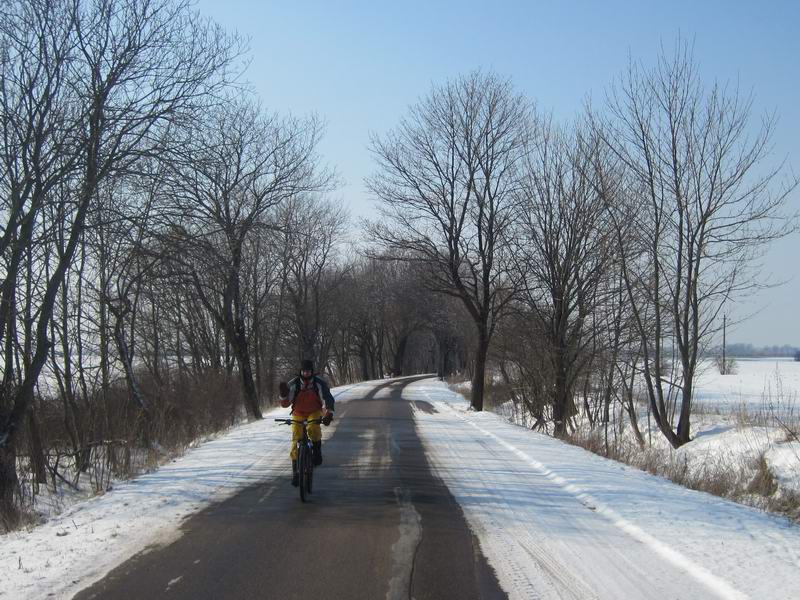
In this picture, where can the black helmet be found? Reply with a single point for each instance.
(307, 365)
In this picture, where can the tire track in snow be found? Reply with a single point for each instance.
(541, 577)
(716, 585)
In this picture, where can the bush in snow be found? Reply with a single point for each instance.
(728, 366)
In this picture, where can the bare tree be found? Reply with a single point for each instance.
(447, 178)
(704, 204)
(86, 87)
(315, 229)
(565, 250)
(232, 172)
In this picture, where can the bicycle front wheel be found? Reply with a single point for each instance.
(309, 471)
(302, 461)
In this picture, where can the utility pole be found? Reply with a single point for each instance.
(724, 326)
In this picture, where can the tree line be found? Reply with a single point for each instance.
(743, 350)
(170, 247)
(594, 258)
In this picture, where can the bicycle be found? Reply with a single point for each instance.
(305, 456)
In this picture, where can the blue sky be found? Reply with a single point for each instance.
(360, 65)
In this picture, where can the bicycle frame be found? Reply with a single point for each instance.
(305, 461)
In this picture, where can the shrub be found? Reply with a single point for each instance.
(764, 483)
(728, 367)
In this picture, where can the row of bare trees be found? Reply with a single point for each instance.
(90, 92)
(593, 259)
(168, 248)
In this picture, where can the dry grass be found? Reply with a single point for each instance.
(785, 503)
(741, 480)
(19, 518)
(763, 483)
(118, 443)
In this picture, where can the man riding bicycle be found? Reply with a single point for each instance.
(305, 394)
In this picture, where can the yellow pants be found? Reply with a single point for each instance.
(314, 431)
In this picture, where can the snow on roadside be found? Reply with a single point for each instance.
(784, 461)
(738, 420)
(79, 546)
(556, 520)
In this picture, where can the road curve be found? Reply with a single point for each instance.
(380, 524)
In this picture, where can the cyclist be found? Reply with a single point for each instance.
(306, 394)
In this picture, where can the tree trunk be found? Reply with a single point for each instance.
(9, 484)
(180, 361)
(275, 337)
(631, 410)
(237, 338)
(400, 356)
(364, 363)
(479, 374)
(258, 365)
(72, 417)
(157, 375)
(684, 420)
(36, 449)
(246, 372)
(442, 371)
(130, 376)
(560, 415)
(105, 363)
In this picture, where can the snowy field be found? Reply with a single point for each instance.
(746, 415)
(756, 383)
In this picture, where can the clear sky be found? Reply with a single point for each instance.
(360, 65)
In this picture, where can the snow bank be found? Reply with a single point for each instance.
(557, 521)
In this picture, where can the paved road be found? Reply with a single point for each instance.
(380, 525)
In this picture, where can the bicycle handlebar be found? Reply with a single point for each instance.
(290, 421)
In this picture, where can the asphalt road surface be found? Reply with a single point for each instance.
(380, 524)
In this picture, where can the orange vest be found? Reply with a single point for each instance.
(307, 401)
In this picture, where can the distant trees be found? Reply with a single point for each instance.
(749, 350)
(447, 179)
(386, 321)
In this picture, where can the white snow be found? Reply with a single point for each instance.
(747, 414)
(756, 384)
(553, 520)
(556, 521)
(78, 547)
(784, 463)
